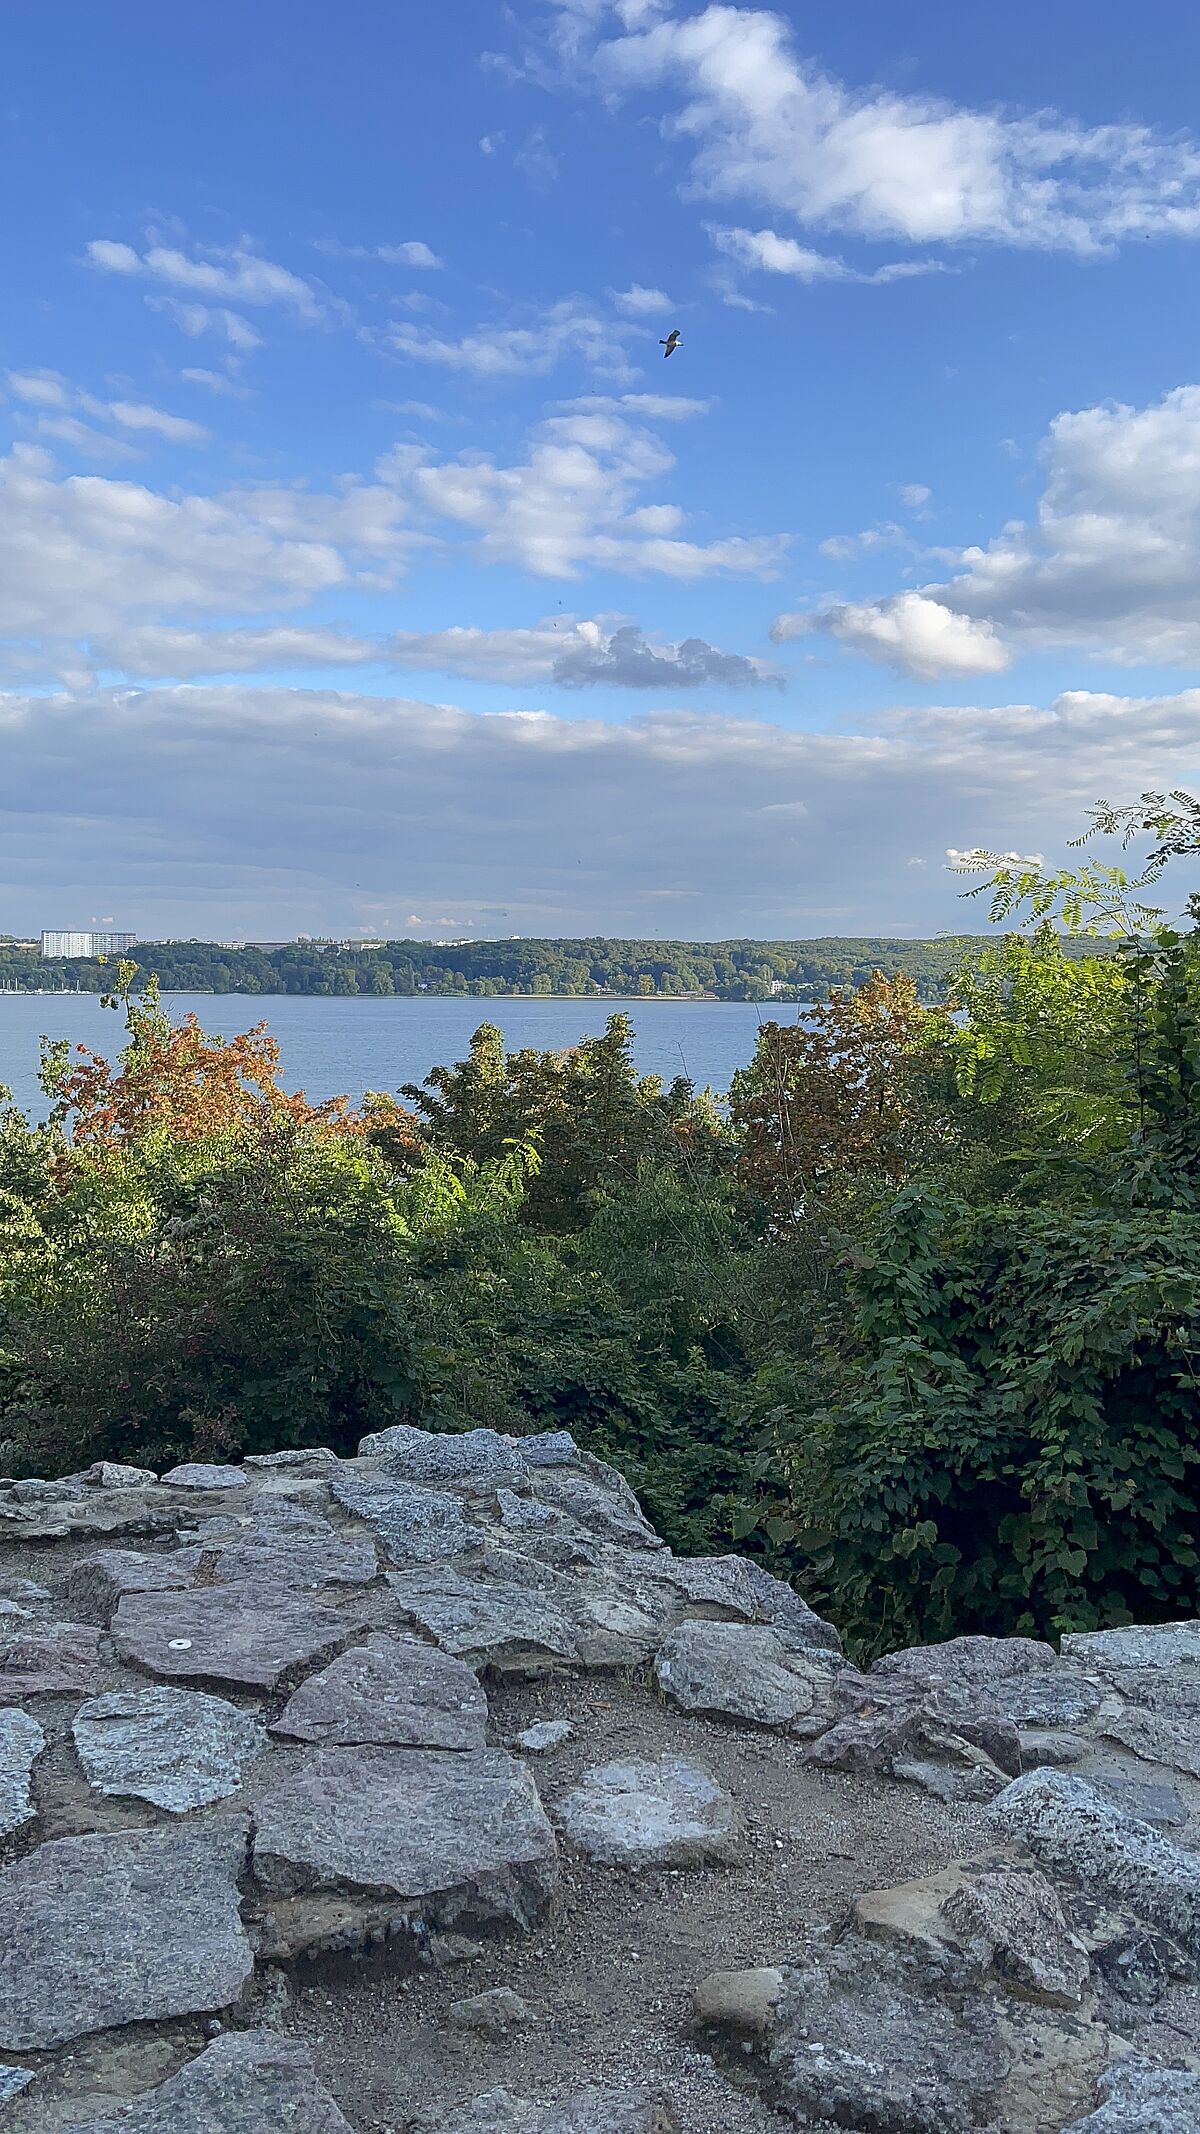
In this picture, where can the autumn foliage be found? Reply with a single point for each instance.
(175, 1077)
(834, 1096)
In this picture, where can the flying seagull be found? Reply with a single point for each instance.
(671, 343)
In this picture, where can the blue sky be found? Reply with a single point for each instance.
(364, 568)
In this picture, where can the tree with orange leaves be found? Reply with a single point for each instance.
(173, 1076)
(835, 1096)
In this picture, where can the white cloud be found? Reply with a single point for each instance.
(576, 654)
(157, 651)
(412, 253)
(640, 303)
(909, 632)
(766, 125)
(215, 381)
(135, 415)
(81, 554)
(772, 254)
(573, 503)
(1111, 565)
(565, 329)
(235, 274)
(849, 548)
(915, 495)
(359, 810)
(197, 319)
(51, 391)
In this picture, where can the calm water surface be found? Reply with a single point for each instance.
(332, 1047)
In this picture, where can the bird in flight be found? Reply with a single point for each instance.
(671, 343)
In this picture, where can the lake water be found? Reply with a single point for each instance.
(332, 1047)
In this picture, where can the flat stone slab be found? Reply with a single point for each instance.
(246, 2082)
(461, 1836)
(21, 1743)
(12, 2081)
(300, 1458)
(1138, 2099)
(414, 1525)
(393, 1692)
(302, 1556)
(54, 1659)
(131, 1928)
(1055, 1697)
(1157, 1737)
(1141, 1645)
(965, 1665)
(1073, 1832)
(746, 1672)
(95, 1584)
(175, 1747)
(36, 1491)
(663, 1810)
(487, 1623)
(248, 1636)
(202, 1474)
(735, 1586)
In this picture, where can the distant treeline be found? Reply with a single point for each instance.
(718, 970)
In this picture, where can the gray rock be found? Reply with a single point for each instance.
(245, 2082)
(113, 1474)
(664, 1810)
(460, 1840)
(1150, 1645)
(496, 2014)
(390, 1691)
(414, 1525)
(95, 1584)
(744, 2004)
(602, 1511)
(133, 1928)
(1160, 1805)
(1139, 2099)
(175, 1747)
(55, 1659)
(978, 1781)
(1157, 1738)
(21, 1743)
(202, 1474)
(1010, 1925)
(525, 1514)
(299, 1552)
(964, 1665)
(39, 1492)
(28, 1592)
(857, 2046)
(1076, 1834)
(12, 1612)
(436, 1457)
(1057, 1697)
(738, 1587)
(486, 1623)
(301, 1458)
(1048, 1746)
(12, 2081)
(245, 1636)
(544, 1735)
(744, 1671)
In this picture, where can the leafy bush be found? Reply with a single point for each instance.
(1014, 1441)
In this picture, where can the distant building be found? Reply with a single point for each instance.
(85, 944)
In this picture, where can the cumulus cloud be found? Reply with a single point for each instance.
(573, 502)
(576, 655)
(81, 553)
(232, 274)
(565, 329)
(1111, 564)
(765, 124)
(159, 651)
(353, 809)
(909, 632)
